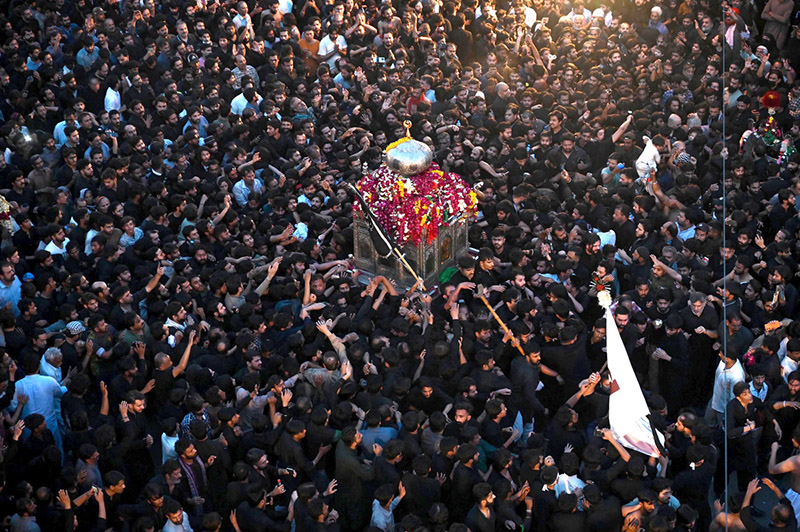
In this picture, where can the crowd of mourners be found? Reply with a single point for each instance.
(187, 346)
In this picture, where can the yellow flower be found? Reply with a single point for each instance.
(396, 143)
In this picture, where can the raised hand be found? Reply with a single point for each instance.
(139, 348)
(324, 327)
(149, 386)
(333, 486)
(18, 428)
(286, 397)
(63, 499)
(753, 487)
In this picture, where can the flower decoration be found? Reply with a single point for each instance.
(396, 143)
(604, 299)
(773, 134)
(407, 125)
(787, 150)
(5, 215)
(597, 283)
(771, 100)
(414, 208)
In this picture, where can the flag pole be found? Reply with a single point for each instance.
(503, 326)
(390, 243)
(420, 282)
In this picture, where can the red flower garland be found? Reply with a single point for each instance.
(415, 207)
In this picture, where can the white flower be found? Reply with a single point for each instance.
(604, 299)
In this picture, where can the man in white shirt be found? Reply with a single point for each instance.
(791, 361)
(729, 372)
(177, 520)
(331, 47)
(113, 99)
(58, 241)
(243, 20)
(518, 6)
(759, 386)
(250, 97)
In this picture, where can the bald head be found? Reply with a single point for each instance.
(502, 89)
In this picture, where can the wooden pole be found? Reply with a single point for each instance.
(502, 325)
(409, 268)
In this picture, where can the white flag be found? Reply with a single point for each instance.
(627, 409)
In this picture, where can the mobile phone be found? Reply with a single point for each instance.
(598, 432)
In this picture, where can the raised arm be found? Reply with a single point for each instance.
(336, 342)
(623, 452)
(306, 287)
(104, 399)
(271, 271)
(790, 464)
(621, 129)
(184, 361)
(668, 270)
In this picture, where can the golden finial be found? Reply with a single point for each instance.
(407, 125)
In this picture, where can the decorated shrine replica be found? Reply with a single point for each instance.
(769, 132)
(425, 211)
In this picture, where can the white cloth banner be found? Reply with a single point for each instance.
(627, 409)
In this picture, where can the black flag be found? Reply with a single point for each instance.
(384, 244)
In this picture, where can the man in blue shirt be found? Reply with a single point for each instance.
(10, 288)
(88, 54)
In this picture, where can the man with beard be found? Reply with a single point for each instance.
(570, 157)
(700, 320)
(194, 481)
(672, 359)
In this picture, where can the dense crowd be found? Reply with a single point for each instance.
(187, 346)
